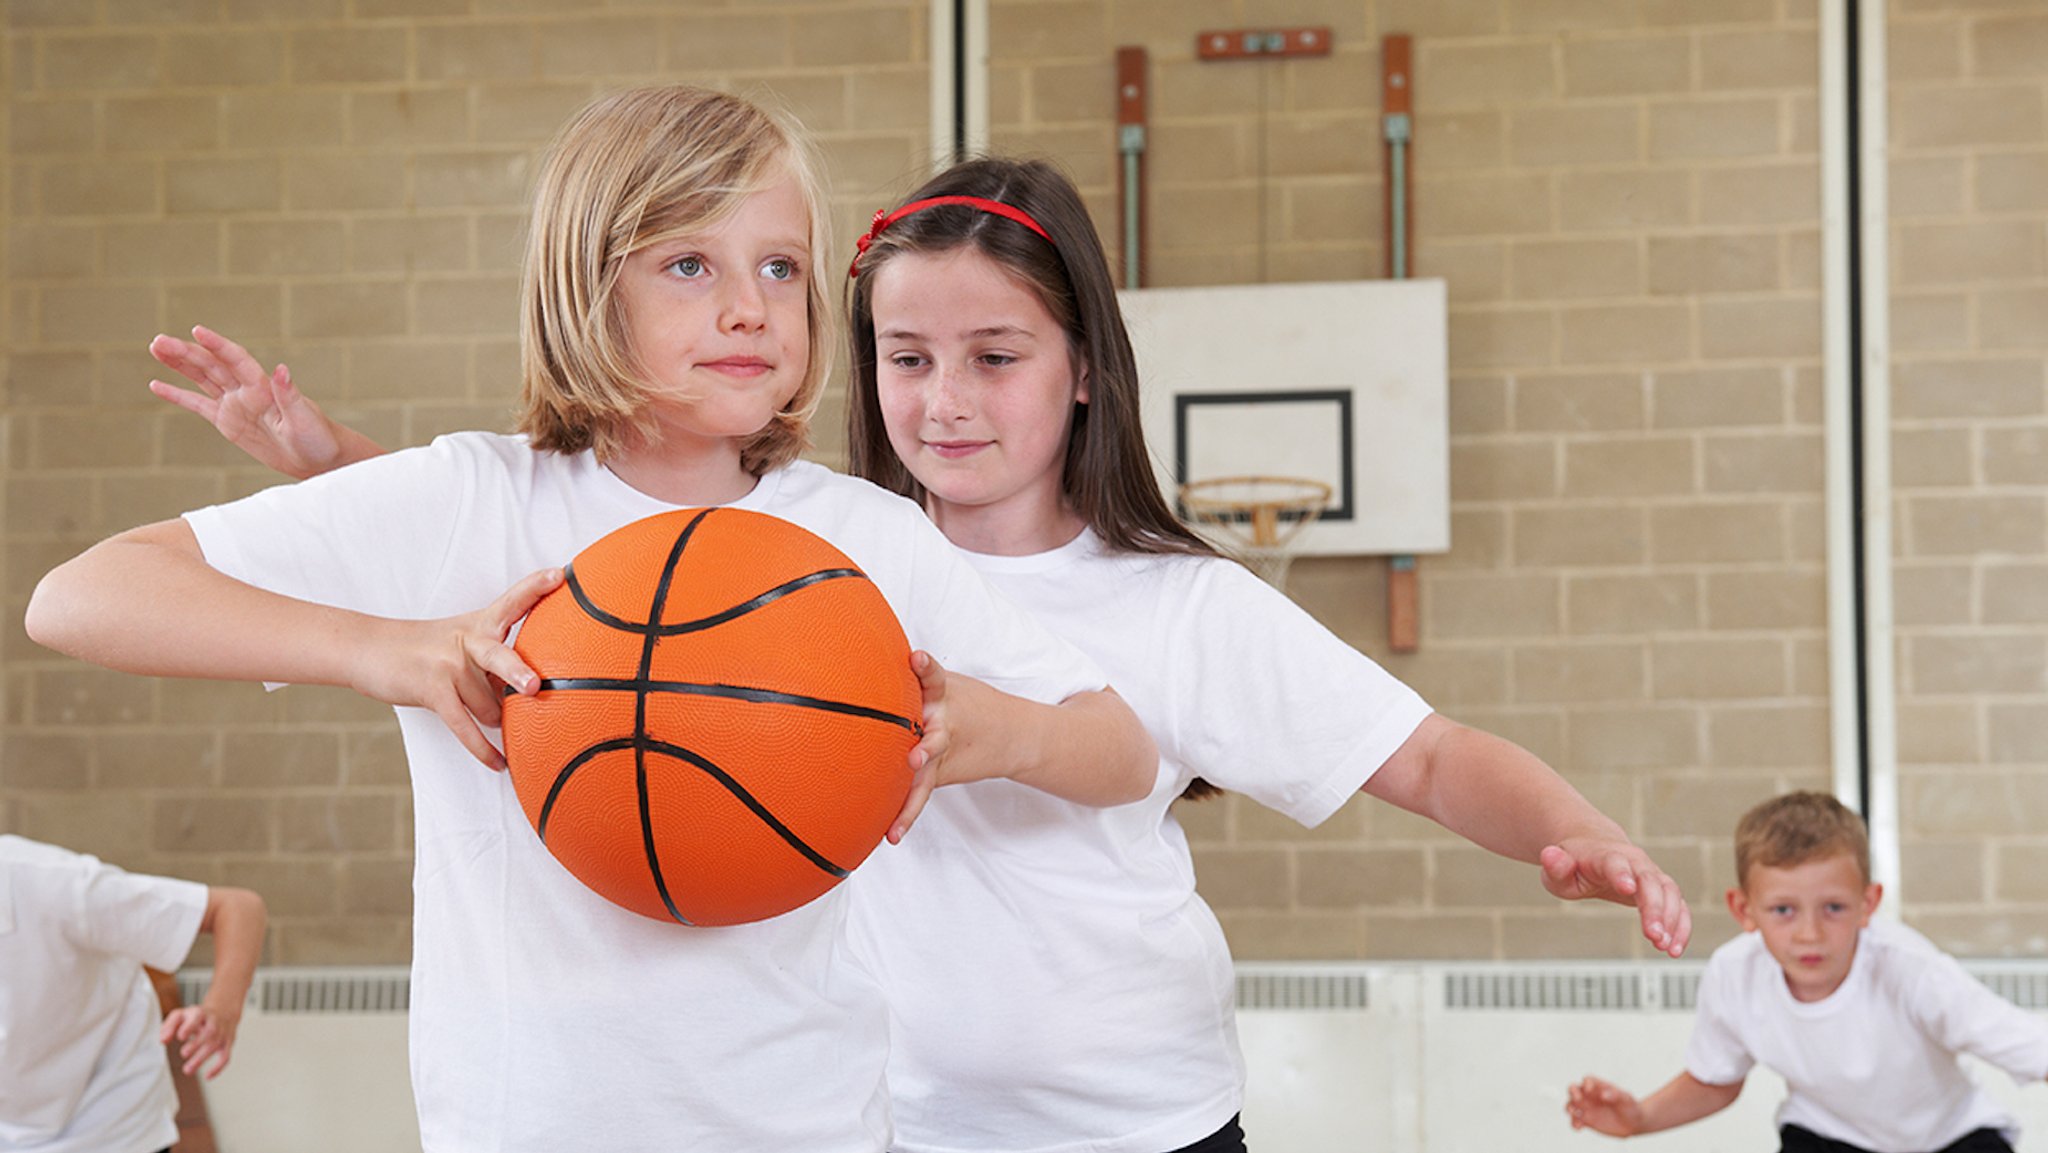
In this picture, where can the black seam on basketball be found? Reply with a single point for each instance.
(547, 807)
(739, 792)
(746, 798)
(730, 692)
(644, 628)
(640, 738)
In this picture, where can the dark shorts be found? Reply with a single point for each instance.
(1229, 1139)
(1793, 1139)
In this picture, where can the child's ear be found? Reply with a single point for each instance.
(1873, 894)
(1738, 907)
(1081, 385)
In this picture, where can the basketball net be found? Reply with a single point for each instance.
(1258, 519)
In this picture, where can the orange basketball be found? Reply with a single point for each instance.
(724, 721)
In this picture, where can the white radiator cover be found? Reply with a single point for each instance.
(1434, 1058)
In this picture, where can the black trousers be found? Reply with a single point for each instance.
(1229, 1139)
(1793, 1139)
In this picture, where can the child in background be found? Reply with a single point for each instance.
(1864, 1020)
(674, 346)
(82, 1063)
(1056, 982)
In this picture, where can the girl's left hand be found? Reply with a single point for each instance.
(947, 754)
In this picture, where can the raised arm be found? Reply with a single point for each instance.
(1607, 1108)
(259, 412)
(1501, 797)
(147, 602)
(1090, 748)
(236, 918)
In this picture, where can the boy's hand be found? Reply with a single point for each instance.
(1615, 870)
(457, 665)
(259, 412)
(1604, 1108)
(202, 1035)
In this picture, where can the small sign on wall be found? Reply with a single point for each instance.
(1344, 383)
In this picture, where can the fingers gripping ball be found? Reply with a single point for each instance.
(724, 721)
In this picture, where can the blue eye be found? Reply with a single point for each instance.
(780, 268)
(687, 266)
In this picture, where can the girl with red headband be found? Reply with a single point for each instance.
(1057, 983)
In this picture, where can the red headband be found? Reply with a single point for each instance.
(884, 218)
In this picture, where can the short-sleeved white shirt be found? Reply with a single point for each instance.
(543, 1017)
(82, 1069)
(1874, 1062)
(1058, 986)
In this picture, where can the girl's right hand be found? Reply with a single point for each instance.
(457, 666)
(259, 412)
(1604, 1108)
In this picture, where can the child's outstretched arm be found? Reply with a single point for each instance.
(1090, 748)
(1607, 1108)
(236, 918)
(147, 602)
(259, 412)
(1500, 796)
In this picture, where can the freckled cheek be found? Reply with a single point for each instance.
(901, 409)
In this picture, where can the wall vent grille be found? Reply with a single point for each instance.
(1542, 989)
(1303, 991)
(1667, 986)
(315, 990)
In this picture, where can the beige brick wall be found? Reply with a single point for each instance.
(1623, 198)
(1969, 244)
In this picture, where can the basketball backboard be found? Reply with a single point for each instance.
(1343, 383)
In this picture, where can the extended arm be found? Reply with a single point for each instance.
(1501, 797)
(1090, 748)
(1607, 1108)
(261, 413)
(237, 919)
(147, 602)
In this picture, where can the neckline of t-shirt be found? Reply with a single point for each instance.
(1841, 996)
(1085, 543)
(756, 499)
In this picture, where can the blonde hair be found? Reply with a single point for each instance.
(631, 169)
(1797, 828)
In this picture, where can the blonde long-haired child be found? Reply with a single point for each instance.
(673, 343)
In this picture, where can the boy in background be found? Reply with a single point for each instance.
(1863, 1020)
(82, 1061)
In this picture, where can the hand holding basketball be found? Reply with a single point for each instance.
(456, 666)
(1594, 868)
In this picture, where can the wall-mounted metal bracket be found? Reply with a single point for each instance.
(1258, 43)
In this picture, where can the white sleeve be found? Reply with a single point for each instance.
(961, 620)
(153, 920)
(1715, 1055)
(1966, 1017)
(373, 537)
(1271, 704)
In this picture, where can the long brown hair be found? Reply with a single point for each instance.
(1107, 477)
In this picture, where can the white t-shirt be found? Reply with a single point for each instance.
(1873, 1063)
(81, 1067)
(1056, 983)
(544, 1017)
